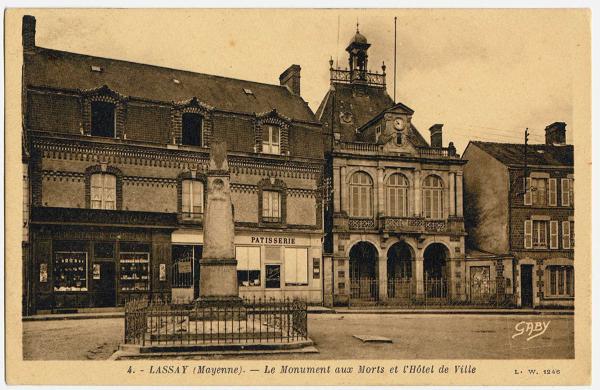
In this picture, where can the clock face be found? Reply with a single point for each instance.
(398, 124)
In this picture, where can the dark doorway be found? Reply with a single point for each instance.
(363, 272)
(103, 119)
(435, 269)
(526, 286)
(191, 129)
(399, 271)
(103, 276)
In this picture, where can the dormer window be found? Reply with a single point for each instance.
(271, 139)
(103, 119)
(191, 129)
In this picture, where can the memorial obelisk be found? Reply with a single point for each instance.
(218, 267)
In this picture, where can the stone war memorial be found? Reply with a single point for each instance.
(219, 321)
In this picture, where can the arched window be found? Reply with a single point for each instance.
(397, 196)
(433, 191)
(192, 198)
(361, 195)
(103, 191)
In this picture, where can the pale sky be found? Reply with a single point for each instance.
(486, 75)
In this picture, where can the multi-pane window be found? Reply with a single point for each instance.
(540, 233)
(271, 206)
(538, 191)
(397, 196)
(361, 195)
(103, 191)
(560, 281)
(103, 119)
(191, 129)
(248, 265)
(271, 139)
(433, 195)
(192, 198)
(566, 192)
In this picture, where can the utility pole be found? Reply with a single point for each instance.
(525, 160)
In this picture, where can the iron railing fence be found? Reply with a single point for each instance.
(402, 292)
(160, 322)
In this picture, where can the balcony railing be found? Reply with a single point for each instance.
(348, 76)
(403, 224)
(438, 152)
(358, 146)
(367, 147)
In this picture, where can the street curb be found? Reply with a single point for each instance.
(455, 312)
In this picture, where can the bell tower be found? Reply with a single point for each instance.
(358, 59)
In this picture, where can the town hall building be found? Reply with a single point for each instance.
(394, 217)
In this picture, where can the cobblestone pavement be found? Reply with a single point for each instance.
(417, 336)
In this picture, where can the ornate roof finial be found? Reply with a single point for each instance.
(357, 25)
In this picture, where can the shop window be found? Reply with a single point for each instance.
(103, 119)
(361, 195)
(560, 281)
(70, 271)
(273, 276)
(296, 266)
(135, 267)
(271, 206)
(192, 199)
(191, 129)
(248, 266)
(271, 139)
(397, 196)
(433, 197)
(103, 191)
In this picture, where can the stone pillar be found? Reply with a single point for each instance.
(451, 194)
(218, 278)
(418, 275)
(417, 193)
(343, 190)
(459, 194)
(336, 189)
(383, 277)
(380, 193)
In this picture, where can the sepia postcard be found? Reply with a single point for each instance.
(298, 196)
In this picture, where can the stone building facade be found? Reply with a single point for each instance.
(116, 154)
(394, 217)
(520, 210)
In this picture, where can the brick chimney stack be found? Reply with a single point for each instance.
(436, 135)
(28, 32)
(291, 79)
(556, 133)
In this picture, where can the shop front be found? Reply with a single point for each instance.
(87, 266)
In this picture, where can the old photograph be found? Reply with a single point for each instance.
(302, 185)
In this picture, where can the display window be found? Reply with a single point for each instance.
(272, 276)
(70, 271)
(248, 265)
(134, 260)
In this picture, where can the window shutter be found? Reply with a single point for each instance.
(564, 192)
(527, 199)
(571, 200)
(553, 234)
(302, 265)
(197, 197)
(552, 192)
(185, 196)
(290, 265)
(566, 235)
(528, 235)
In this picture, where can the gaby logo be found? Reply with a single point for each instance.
(531, 329)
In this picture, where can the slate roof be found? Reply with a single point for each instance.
(363, 106)
(64, 70)
(537, 154)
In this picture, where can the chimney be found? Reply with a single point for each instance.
(556, 133)
(291, 79)
(28, 32)
(436, 135)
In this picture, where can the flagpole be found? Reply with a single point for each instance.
(395, 59)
